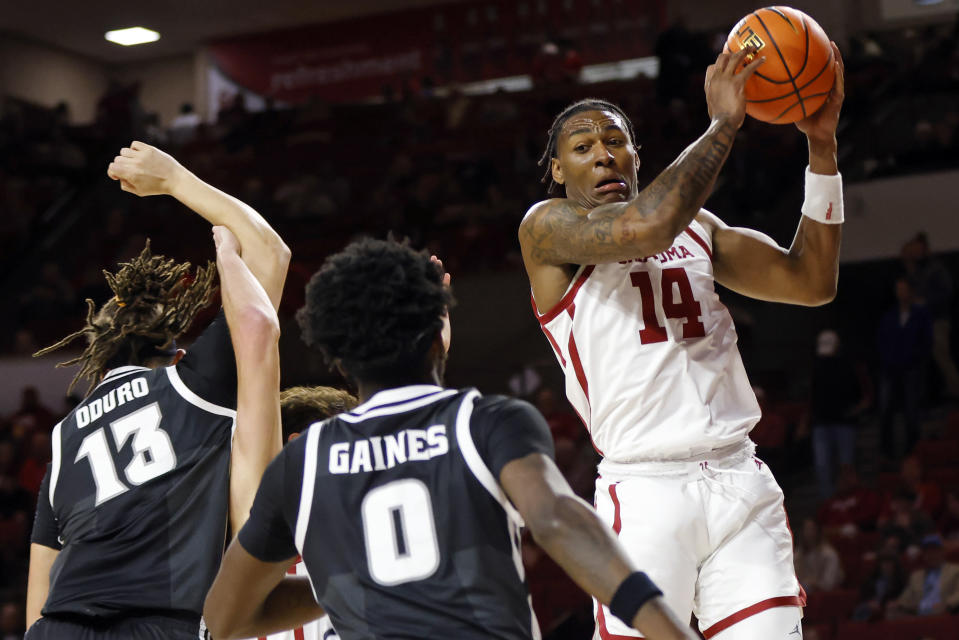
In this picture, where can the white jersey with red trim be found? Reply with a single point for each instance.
(650, 355)
(320, 629)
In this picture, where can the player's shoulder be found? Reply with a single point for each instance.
(709, 221)
(496, 408)
(498, 402)
(547, 210)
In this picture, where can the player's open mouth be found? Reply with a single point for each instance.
(612, 185)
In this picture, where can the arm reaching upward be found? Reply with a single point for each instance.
(255, 331)
(603, 219)
(807, 273)
(146, 171)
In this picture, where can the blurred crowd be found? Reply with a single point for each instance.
(455, 173)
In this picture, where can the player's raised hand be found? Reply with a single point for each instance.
(821, 126)
(446, 276)
(225, 241)
(144, 170)
(725, 85)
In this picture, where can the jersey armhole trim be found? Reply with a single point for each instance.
(55, 453)
(699, 239)
(474, 461)
(194, 399)
(567, 298)
(310, 456)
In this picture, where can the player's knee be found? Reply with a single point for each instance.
(778, 623)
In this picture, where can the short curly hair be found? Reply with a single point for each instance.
(375, 309)
(302, 406)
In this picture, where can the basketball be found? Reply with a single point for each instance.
(795, 80)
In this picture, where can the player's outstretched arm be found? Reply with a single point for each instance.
(807, 273)
(255, 332)
(561, 231)
(38, 579)
(571, 533)
(144, 170)
(251, 598)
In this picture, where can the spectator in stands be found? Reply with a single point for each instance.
(901, 525)
(32, 414)
(926, 495)
(905, 342)
(9, 465)
(932, 284)
(11, 621)
(770, 433)
(886, 583)
(51, 298)
(187, 120)
(852, 508)
(561, 421)
(931, 590)
(34, 466)
(817, 563)
(949, 522)
(838, 397)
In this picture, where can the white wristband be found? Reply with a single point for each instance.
(823, 201)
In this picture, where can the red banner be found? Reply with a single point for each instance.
(461, 42)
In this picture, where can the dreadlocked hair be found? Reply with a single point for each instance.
(589, 104)
(152, 305)
(302, 406)
(375, 308)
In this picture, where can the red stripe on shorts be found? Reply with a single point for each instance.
(605, 633)
(759, 607)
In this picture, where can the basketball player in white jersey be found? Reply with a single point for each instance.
(623, 285)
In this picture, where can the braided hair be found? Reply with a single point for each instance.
(589, 104)
(153, 303)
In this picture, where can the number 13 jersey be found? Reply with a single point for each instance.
(136, 496)
(650, 356)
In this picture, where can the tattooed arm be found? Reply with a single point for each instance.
(559, 231)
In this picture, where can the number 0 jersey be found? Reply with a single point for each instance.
(650, 355)
(137, 494)
(399, 516)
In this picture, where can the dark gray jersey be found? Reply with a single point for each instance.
(137, 493)
(398, 514)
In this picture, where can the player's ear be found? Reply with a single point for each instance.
(178, 356)
(446, 333)
(556, 169)
(293, 436)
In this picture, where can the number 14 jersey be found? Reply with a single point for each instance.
(650, 356)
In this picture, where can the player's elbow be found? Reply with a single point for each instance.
(820, 294)
(258, 329)
(281, 253)
(553, 518)
(651, 237)
(218, 620)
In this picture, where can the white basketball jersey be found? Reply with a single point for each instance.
(650, 355)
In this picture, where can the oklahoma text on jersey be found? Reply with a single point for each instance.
(650, 355)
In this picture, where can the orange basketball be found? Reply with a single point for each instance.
(799, 71)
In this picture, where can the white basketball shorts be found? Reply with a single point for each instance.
(712, 533)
